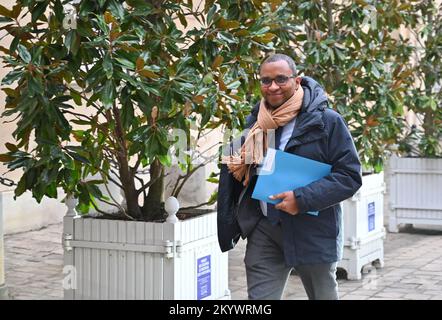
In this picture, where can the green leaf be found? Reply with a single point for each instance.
(211, 14)
(38, 10)
(262, 31)
(21, 186)
(107, 65)
(86, 7)
(213, 198)
(24, 53)
(165, 160)
(76, 97)
(108, 94)
(227, 37)
(125, 62)
(208, 78)
(58, 10)
(5, 19)
(12, 76)
(14, 44)
(433, 104)
(129, 79)
(102, 24)
(375, 71)
(117, 9)
(51, 191)
(72, 41)
(79, 158)
(35, 86)
(234, 85)
(94, 190)
(127, 114)
(212, 180)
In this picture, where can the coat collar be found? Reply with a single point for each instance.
(309, 127)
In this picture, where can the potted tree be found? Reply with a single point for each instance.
(104, 89)
(416, 175)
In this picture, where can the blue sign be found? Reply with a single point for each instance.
(371, 216)
(203, 277)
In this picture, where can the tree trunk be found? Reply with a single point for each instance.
(152, 203)
(152, 209)
(127, 178)
(130, 193)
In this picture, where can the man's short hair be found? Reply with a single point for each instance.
(278, 57)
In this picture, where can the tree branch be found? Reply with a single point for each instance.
(328, 6)
(137, 164)
(142, 184)
(116, 182)
(176, 190)
(116, 204)
(197, 206)
(148, 184)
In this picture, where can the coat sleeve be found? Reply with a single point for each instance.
(228, 193)
(227, 225)
(345, 177)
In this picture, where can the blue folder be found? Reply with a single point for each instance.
(281, 171)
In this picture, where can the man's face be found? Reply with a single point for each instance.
(276, 94)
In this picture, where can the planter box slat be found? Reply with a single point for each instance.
(139, 263)
(113, 261)
(131, 261)
(87, 226)
(416, 171)
(104, 262)
(169, 233)
(122, 261)
(148, 263)
(435, 209)
(95, 236)
(423, 214)
(78, 260)
(157, 273)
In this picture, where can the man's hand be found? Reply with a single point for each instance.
(288, 203)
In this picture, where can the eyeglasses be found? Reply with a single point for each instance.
(279, 80)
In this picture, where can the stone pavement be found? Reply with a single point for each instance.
(413, 268)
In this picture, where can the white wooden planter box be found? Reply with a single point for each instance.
(110, 259)
(364, 231)
(416, 192)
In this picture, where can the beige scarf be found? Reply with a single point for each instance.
(255, 145)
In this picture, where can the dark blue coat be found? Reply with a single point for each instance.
(319, 134)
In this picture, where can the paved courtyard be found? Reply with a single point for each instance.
(413, 268)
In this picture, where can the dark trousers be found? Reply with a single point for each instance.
(267, 272)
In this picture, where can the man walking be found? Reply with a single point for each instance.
(304, 230)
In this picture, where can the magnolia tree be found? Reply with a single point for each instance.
(424, 98)
(355, 50)
(106, 88)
